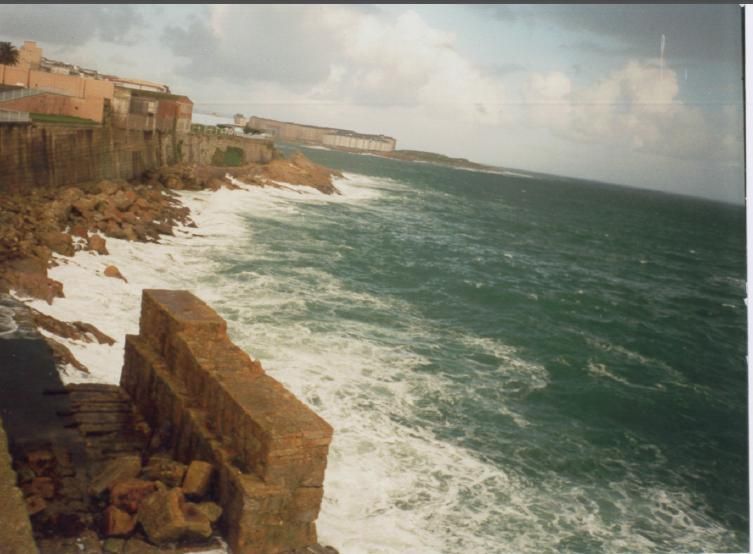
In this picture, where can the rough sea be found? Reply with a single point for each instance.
(512, 363)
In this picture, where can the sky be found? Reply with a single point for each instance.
(574, 90)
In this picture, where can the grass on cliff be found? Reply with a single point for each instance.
(64, 119)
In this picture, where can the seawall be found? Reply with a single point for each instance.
(61, 155)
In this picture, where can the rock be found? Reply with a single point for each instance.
(35, 504)
(79, 231)
(97, 244)
(212, 510)
(113, 546)
(166, 518)
(197, 479)
(41, 462)
(29, 276)
(41, 486)
(168, 471)
(117, 523)
(63, 356)
(76, 330)
(112, 271)
(137, 546)
(107, 187)
(117, 469)
(128, 495)
(57, 241)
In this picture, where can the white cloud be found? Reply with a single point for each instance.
(341, 54)
(637, 106)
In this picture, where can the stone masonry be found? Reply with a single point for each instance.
(15, 527)
(216, 404)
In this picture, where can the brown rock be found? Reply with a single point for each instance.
(80, 231)
(166, 518)
(212, 510)
(107, 187)
(137, 546)
(128, 495)
(29, 276)
(76, 330)
(41, 462)
(113, 546)
(42, 486)
(197, 479)
(35, 504)
(117, 523)
(57, 241)
(112, 271)
(63, 356)
(97, 244)
(168, 471)
(117, 469)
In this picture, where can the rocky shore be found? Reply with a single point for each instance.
(38, 223)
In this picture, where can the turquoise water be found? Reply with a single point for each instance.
(511, 364)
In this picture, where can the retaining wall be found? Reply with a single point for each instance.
(270, 449)
(58, 155)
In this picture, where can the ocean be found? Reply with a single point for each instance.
(511, 362)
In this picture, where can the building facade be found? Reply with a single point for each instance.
(322, 136)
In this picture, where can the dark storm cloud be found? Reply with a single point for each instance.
(702, 32)
(68, 25)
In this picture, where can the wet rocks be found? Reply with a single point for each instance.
(128, 495)
(117, 522)
(114, 272)
(76, 330)
(97, 244)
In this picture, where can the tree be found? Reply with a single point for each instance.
(8, 54)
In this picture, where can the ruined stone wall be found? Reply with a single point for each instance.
(56, 155)
(184, 374)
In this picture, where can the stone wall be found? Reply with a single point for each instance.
(183, 372)
(56, 155)
(15, 528)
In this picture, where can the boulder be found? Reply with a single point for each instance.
(113, 546)
(35, 504)
(117, 523)
(114, 272)
(113, 471)
(168, 471)
(137, 546)
(212, 510)
(166, 518)
(41, 486)
(197, 479)
(57, 241)
(63, 356)
(128, 495)
(97, 244)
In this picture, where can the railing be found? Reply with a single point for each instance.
(9, 116)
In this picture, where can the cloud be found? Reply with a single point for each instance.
(635, 107)
(693, 31)
(339, 54)
(70, 25)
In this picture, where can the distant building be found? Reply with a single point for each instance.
(138, 84)
(58, 88)
(29, 55)
(240, 119)
(324, 136)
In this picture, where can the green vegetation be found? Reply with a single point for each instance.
(8, 54)
(64, 119)
(231, 156)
